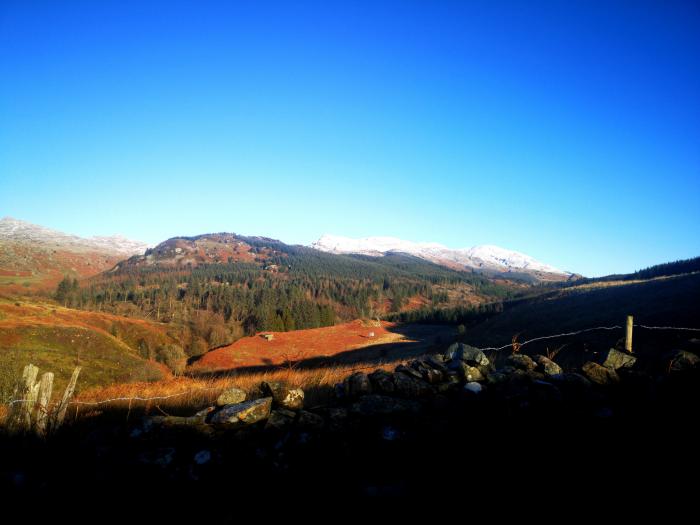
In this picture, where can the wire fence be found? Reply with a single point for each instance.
(496, 349)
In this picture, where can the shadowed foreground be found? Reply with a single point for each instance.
(530, 439)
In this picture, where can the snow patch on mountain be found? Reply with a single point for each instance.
(485, 257)
(22, 231)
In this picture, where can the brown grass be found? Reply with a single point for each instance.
(185, 395)
(290, 346)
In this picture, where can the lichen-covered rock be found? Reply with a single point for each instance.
(283, 396)
(231, 396)
(547, 366)
(466, 353)
(614, 359)
(437, 362)
(382, 382)
(427, 371)
(373, 405)
(431, 370)
(205, 412)
(469, 373)
(521, 361)
(681, 360)
(179, 421)
(357, 384)
(242, 414)
(280, 419)
(410, 386)
(433, 376)
(600, 374)
(403, 369)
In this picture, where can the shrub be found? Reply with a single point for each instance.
(172, 356)
(198, 347)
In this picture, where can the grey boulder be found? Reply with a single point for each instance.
(614, 359)
(231, 396)
(241, 414)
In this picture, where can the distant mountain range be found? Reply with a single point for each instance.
(30, 250)
(486, 258)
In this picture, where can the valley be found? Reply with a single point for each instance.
(382, 346)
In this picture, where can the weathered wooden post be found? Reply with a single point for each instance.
(42, 410)
(63, 406)
(31, 404)
(24, 398)
(628, 335)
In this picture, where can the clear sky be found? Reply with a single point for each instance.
(566, 130)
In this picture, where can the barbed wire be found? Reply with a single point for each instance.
(492, 348)
(666, 328)
(496, 349)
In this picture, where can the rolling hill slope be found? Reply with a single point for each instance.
(34, 258)
(663, 301)
(110, 349)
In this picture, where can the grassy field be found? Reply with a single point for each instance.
(106, 346)
(346, 343)
(109, 350)
(185, 395)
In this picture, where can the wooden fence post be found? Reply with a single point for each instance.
(42, 410)
(628, 335)
(21, 413)
(31, 404)
(61, 413)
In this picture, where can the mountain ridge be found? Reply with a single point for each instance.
(17, 230)
(481, 258)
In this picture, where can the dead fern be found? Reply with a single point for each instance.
(515, 344)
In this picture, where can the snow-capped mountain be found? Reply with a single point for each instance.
(25, 232)
(485, 257)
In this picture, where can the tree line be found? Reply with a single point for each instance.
(214, 304)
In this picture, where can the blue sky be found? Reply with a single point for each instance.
(566, 130)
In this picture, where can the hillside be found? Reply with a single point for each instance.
(343, 343)
(34, 258)
(110, 349)
(663, 301)
(250, 284)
